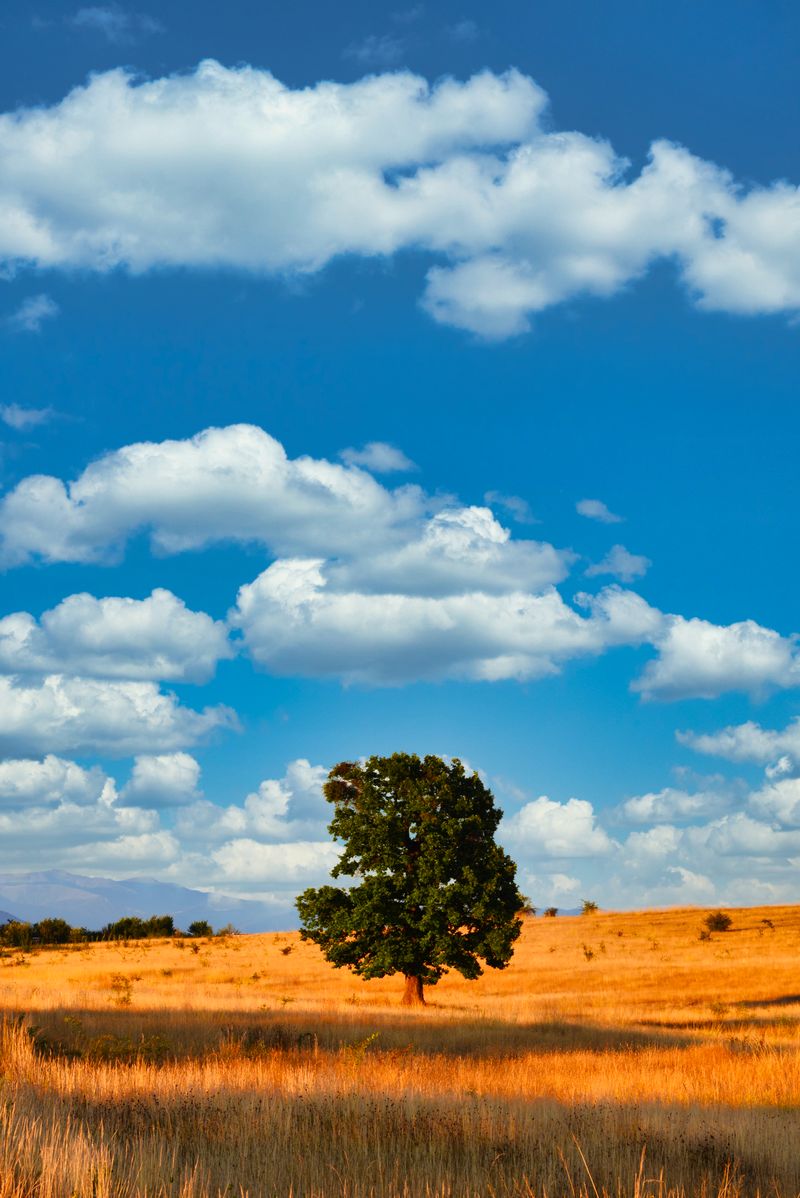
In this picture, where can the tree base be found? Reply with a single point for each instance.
(413, 995)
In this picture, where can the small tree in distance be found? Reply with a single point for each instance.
(589, 907)
(718, 921)
(433, 892)
(550, 912)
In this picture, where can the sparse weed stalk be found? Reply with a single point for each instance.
(121, 987)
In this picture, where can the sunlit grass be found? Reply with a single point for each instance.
(235, 1066)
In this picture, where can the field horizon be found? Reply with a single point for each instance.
(619, 1053)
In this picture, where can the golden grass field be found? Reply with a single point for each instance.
(618, 1055)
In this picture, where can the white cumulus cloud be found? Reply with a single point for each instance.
(697, 659)
(153, 638)
(459, 549)
(252, 861)
(774, 748)
(546, 828)
(233, 483)
(162, 780)
(620, 563)
(379, 457)
(84, 715)
(27, 782)
(671, 803)
(280, 809)
(779, 801)
(228, 167)
(293, 623)
(595, 509)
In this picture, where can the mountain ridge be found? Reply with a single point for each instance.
(92, 901)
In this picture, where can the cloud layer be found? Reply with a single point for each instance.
(370, 585)
(230, 168)
(367, 583)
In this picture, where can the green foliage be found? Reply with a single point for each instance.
(52, 931)
(55, 931)
(589, 907)
(433, 890)
(200, 927)
(718, 921)
(121, 987)
(16, 934)
(157, 927)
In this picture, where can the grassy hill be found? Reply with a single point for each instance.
(618, 1051)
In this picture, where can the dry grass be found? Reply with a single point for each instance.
(619, 1054)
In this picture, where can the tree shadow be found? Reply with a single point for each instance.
(151, 1034)
(781, 1000)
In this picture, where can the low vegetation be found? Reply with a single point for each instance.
(616, 1055)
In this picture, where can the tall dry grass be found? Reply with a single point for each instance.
(619, 1054)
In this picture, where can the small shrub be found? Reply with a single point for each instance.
(550, 912)
(355, 1053)
(588, 952)
(260, 1040)
(125, 1050)
(51, 1047)
(121, 987)
(718, 921)
(589, 907)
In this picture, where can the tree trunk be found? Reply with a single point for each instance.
(413, 995)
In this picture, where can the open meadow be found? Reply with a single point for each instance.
(618, 1054)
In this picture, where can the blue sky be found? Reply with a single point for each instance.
(543, 257)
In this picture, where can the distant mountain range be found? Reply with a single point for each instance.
(92, 902)
(88, 902)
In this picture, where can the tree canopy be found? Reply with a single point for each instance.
(431, 889)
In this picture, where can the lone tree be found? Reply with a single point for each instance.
(432, 890)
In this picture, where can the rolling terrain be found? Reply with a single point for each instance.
(619, 1054)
